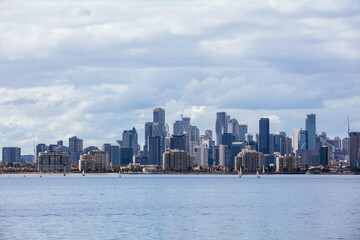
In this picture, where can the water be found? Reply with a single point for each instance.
(179, 207)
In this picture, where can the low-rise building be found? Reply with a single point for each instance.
(54, 162)
(287, 163)
(250, 160)
(177, 160)
(94, 161)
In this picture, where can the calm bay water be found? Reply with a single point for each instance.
(179, 207)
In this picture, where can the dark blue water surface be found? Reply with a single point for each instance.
(179, 207)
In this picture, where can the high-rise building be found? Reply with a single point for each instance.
(243, 129)
(296, 138)
(75, 149)
(324, 153)
(249, 160)
(264, 135)
(130, 139)
(94, 161)
(154, 151)
(177, 160)
(354, 149)
(11, 154)
(303, 140)
(346, 145)
(126, 155)
(115, 155)
(107, 148)
(310, 126)
(208, 133)
(54, 162)
(89, 149)
(41, 147)
(220, 126)
(178, 142)
(233, 127)
(287, 163)
(201, 155)
(159, 115)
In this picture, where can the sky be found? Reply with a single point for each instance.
(93, 69)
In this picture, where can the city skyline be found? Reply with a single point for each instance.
(93, 69)
(141, 133)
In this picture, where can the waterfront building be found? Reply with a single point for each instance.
(177, 160)
(114, 155)
(54, 162)
(107, 148)
(249, 160)
(130, 139)
(220, 126)
(159, 115)
(310, 126)
(11, 154)
(287, 164)
(126, 155)
(354, 149)
(94, 161)
(264, 135)
(75, 149)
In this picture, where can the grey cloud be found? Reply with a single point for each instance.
(19, 101)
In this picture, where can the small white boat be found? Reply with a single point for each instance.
(257, 174)
(83, 172)
(240, 173)
(263, 171)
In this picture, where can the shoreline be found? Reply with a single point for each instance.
(174, 173)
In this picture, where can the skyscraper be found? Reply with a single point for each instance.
(296, 138)
(130, 139)
(159, 115)
(178, 142)
(310, 126)
(154, 150)
(354, 149)
(220, 126)
(11, 154)
(75, 149)
(243, 129)
(264, 135)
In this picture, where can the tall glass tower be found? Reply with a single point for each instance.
(220, 126)
(264, 135)
(310, 126)
(159, 115)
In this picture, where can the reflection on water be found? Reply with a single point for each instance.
(179, 207)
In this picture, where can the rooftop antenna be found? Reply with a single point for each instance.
(348, 126)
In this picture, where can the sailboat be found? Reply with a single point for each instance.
(83, 172)
(257, 174)
(263, 171)
(119, 174)
(240, 172)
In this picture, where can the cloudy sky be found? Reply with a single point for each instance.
(95, 68)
